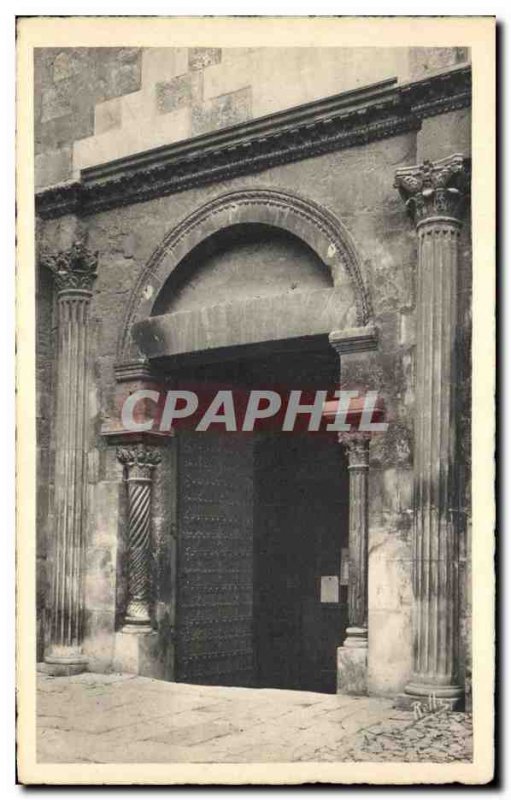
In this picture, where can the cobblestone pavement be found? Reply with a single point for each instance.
(94, 718)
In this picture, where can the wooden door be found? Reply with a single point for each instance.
(214, 620)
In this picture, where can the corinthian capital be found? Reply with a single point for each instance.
(435, 188)
(74, 268)
(357, 445)
(140, 459)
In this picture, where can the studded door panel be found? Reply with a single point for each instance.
(215, 560)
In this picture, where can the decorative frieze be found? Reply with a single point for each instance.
(139, 462)
(335, 123)
(75, 272)
(435, 194)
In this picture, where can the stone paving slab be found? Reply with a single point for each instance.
(92, 718)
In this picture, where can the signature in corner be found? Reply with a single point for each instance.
(432, 706)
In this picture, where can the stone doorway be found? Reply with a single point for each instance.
(262, 529)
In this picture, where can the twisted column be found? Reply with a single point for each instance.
(434, 194)
(74, 271)
(139, 462)
(357, 445)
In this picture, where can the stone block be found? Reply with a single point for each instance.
(389, 572)
(174, 94)
(389, 663)
(100, 579)
(120, 78)
(223, 111)
(162, 63)
(66, 64)
(53, 167)
(426, 60)
(201, 57)
(57, 100)
(99, 639)
(228, 76)
(352, 670)
(146, 133)
(443, 135)
(107, 115)
(139, 653)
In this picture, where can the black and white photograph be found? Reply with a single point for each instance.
(257, 531)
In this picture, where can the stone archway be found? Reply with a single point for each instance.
(351, 336)
(313, 224)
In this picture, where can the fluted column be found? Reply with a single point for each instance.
(74, 271)
(434, 194)
(357, 445)
(139, 462)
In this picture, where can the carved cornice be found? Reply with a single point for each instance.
(345, 120)
(59, 200)
(435, 189)
(72, 269)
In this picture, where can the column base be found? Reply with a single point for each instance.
(137, 652)
(429, 698)
(59, 666)
(352, 663)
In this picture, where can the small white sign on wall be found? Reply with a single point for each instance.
(329, 589)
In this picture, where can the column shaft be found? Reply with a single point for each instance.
(358, 452)
(139, 463)
(74, 272)
(435, 536)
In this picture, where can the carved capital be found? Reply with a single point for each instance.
(435, 188)
(357, 445)
(74, 268)
(139, 460)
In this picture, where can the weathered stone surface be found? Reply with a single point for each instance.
(173, 94)
(223, 111)
(53, 166)
(423, 60)
(139, 654)
(352, 670)
(201, 57)
(133, 719)
(107, 115)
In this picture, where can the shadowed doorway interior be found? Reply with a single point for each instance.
(262, 529)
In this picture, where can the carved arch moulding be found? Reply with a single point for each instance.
(313, 224)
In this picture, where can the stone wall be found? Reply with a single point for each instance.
(96, 104)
